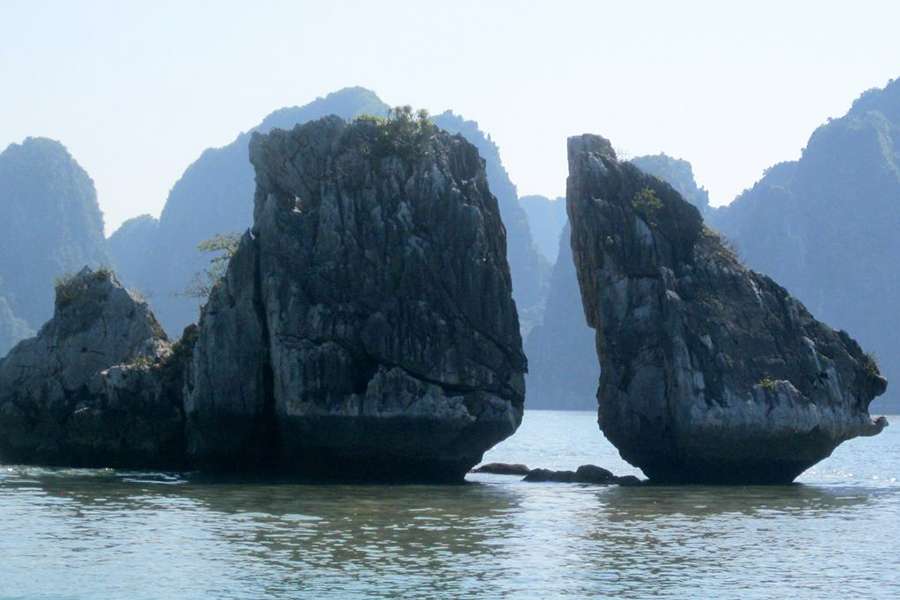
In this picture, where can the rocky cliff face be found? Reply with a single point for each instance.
(825, 226)
(709, 372)
(365, 327)
(98, 386)
(50, 225)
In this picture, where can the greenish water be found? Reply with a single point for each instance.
(117, 535)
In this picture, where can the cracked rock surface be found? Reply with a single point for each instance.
(365, 328)
(98, 386)
(710, 372)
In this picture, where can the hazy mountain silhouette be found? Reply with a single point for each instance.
(826, 226)
(128, 246)
(50, 225)
(546, 218)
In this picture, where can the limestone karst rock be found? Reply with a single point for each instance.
(710, 372)
(365, 327)
(99, 386)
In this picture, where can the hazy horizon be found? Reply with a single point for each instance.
(137, 92)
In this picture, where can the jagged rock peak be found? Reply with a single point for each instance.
(85, 390)
(709, 371)
(365, 327)
(96, 320)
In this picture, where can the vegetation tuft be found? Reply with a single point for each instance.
(404, 132)
(67, 285)
(767, 383)
(222, 246)
(647, 204)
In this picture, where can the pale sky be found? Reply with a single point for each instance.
(137, 90)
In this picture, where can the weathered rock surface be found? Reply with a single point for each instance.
(710, 372)
(99, 386)
(365, 327)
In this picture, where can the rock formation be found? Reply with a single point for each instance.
(710, 372)
(365, 327)
(100, 386)
(50, 225)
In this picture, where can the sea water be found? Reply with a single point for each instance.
(102, 534)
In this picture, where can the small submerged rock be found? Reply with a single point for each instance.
(710, 372)
(584, 474)
(502, 469)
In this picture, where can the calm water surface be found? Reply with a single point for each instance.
(116, 535)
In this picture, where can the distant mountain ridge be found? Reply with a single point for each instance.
(826, 226)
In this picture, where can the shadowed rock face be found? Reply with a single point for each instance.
(710, 372)
(99, 386)
(365, 328)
